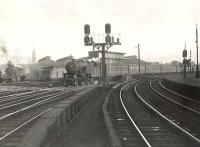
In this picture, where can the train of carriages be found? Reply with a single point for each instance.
(80, 72)
(85, 72)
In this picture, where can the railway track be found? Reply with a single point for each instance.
(19, 111)
(7, 90)
(188, 103)
(180, 110)
(126, 131)
(30, 84)
(133, 109)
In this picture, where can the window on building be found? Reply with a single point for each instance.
(56, 74)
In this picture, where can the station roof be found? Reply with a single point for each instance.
(46, 61)
(65, 59)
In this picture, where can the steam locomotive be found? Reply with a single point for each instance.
(12, 75)
(79, 72)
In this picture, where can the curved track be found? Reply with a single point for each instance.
(126, 132)
(134, 110)
(183, 111)
(188, 103)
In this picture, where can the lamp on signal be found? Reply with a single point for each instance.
(87, 33)
(107, 28)
(87, 29)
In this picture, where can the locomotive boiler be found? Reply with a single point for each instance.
(79, 73)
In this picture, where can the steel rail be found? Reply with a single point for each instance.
(177, 93)
(135, 125)
(5, 106)
(38, 115)
(13, 99)
(42, 102)
(164, 117)
(32, 106)
(19, 94)
(33, 118)
(188, 108)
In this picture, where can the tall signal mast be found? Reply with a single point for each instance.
(102, 47)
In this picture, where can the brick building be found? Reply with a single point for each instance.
(117, 63)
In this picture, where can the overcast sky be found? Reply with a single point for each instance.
(55, 27)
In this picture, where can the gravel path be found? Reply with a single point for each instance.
(89, 129)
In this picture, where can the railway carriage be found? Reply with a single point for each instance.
(80, 72)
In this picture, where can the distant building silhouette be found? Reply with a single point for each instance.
(33, 56)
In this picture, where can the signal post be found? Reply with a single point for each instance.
(102, 47)
(185, 61)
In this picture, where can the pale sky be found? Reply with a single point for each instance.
(55, 27)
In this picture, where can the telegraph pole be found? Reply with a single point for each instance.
(103, 64)
(197, 67)
(109, 42)
(139, 58)
(184, 61)
(190, 61)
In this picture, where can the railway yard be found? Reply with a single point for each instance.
(147, 111)
(99, 73)
(23, 104)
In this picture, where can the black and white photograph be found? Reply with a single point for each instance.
(99, 73)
